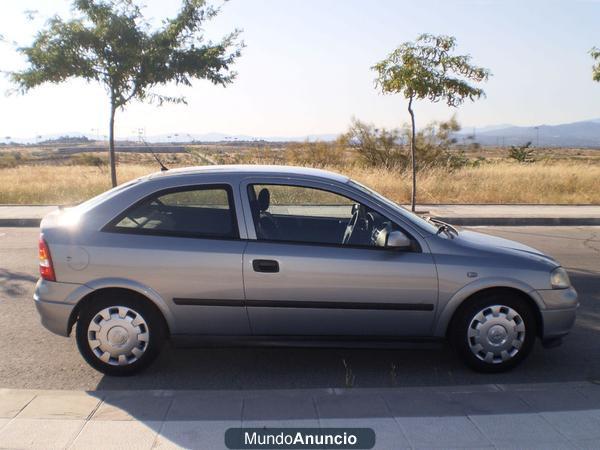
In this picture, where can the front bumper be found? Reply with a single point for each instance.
(55, 303)
(558, 317)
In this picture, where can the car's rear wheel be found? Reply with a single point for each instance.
(119, 335)
(495, 332)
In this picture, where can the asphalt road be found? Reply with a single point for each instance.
(31, 357)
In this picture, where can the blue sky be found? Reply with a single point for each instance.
(306, 68)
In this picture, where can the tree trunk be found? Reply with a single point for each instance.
(111, 145)
(413, 150)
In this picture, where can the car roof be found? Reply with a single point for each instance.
(253, 169)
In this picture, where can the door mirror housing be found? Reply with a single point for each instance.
(397, 239)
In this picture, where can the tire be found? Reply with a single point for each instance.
(119, 334)
(494, 332)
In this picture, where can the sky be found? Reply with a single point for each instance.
(306, 68)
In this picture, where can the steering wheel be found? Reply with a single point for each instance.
(357, 224)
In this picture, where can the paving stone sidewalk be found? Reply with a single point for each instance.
(546, 415)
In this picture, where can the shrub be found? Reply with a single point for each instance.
(376, 147)
(89, 159)
(434, 143)
(11, 159)
(318, 153)
(522, 153)
(389, 149)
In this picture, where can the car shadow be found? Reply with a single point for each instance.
(15, 284)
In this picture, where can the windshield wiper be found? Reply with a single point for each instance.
(443, 227)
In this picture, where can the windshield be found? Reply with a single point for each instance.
(410, 216)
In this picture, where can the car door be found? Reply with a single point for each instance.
(184, 244)
(300, 281)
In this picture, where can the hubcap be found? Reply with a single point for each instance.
(118, 335)
(496, 334)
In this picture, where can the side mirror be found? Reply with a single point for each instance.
(397, 239)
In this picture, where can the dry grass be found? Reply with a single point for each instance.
(500, 182)
(54, 185)
(503, 182)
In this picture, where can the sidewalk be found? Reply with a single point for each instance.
(546, 415)
(473, 215)
(23, 216)
(575, 215)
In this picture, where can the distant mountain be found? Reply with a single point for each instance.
(576, 134)
(46, 138)
(173, 137)
(222, 137)
(487, 128)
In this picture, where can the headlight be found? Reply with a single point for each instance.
(559, 279)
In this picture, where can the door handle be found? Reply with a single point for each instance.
(265, 265)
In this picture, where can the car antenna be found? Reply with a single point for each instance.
(163, 168)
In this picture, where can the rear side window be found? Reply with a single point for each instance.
(205, 211)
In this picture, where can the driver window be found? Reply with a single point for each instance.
(303, 214)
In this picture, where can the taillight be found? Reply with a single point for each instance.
(46, 268)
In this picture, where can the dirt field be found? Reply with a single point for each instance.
(564, 178)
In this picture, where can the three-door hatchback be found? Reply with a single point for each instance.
(266, 253)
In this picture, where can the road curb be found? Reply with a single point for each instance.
(20, 222)
(462, 221)
(521, 221)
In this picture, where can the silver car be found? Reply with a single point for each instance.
(272, 253)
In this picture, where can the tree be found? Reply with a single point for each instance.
(110, 42)
(595, 52)
(428, 69)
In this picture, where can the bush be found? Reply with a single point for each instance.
(11, 159)
(89, 159)
(318, 153)
(376, 147)
(390, 149)
(522, 153)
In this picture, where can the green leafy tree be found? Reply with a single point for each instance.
(428, 69)
(595, 52)
(111, 42)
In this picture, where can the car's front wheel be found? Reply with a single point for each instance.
(494, 333)
(119, 335)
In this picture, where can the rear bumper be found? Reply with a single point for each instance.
(559, 315)
(55, 302)
(55, 316)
